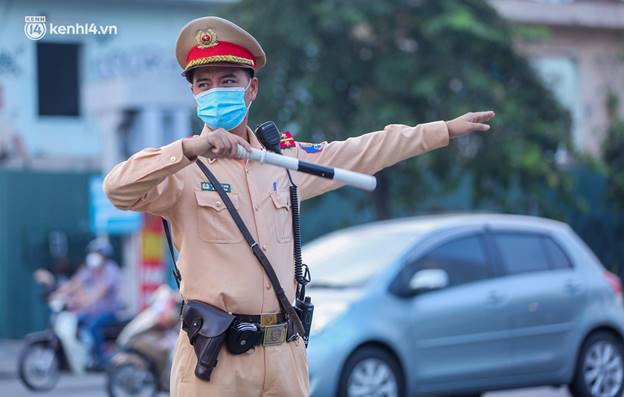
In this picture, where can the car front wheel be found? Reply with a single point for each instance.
(371, 371)
(600, 368)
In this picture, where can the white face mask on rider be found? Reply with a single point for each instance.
(94, 260)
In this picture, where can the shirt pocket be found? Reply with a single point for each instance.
(214, 222)
(282, 215)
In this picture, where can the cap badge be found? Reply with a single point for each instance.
(206, 39)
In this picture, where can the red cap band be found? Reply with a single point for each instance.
(223, 51)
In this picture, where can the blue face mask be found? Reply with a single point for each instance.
(222, 107)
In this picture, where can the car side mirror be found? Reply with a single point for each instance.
(428, 280)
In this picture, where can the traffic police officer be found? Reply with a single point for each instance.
(220, 61)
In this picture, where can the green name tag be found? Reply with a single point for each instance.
(208, 186)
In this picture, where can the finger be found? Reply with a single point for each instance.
(224, 150)
(205, 130)
(479, 127)
(215, 144)
(233, 149)
(230, 149)
(480, 117)
(234, 142)
(219, 144)
(243, 143)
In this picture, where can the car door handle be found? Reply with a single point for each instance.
(494, 298)
(573, 286)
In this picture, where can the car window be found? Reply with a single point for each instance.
(558, 259)
(464, 260)
(521, 253)
(342, 260)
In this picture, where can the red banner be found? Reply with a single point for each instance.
(151, 272)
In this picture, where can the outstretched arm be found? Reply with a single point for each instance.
(372, 152)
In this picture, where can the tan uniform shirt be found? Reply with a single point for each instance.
(216, 264)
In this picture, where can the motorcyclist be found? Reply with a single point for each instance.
(54, 276)
(93, 293)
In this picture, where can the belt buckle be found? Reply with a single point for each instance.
(275, 334)
(268, 319)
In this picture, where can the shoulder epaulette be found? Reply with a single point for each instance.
(286, 140)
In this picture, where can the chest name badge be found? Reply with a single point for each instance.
(209, 187)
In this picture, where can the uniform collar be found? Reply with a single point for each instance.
(253, 141)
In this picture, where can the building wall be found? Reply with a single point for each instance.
(131, 96)
(32, 206)
(598, 58)
(586, 38)
(134, 69)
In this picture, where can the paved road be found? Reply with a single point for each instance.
(94, 385)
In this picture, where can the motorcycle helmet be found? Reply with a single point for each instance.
(101, 246)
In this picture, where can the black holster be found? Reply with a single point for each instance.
(206, 327)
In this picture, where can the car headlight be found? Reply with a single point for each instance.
(326, 313)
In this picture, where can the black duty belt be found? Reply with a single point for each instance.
(253, 330)
(262, 319)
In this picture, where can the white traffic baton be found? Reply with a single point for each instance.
(355, 179)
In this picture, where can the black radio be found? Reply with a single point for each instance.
(305, 310)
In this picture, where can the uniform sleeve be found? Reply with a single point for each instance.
(368, 153)
(147, 181)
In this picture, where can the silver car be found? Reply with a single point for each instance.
(462, 304)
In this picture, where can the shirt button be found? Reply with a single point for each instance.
(264, 247)
(172, 158)
(268, 286)
(256, 208)
(218, 203)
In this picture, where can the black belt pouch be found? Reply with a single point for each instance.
(206, 328)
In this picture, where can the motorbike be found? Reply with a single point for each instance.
(142, 365)
(64, 347)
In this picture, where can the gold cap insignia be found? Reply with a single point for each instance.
(206, 39)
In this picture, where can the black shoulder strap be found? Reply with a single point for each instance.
(175, 270)
(286, 306)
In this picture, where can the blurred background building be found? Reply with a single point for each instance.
(578, 50)
(73, 105)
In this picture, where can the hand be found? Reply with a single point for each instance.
(56, 295)
(217, 143)
(81, 299)
(473, 121)
(44, 277)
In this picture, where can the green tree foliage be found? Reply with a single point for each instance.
(341, 68)
(613, 154)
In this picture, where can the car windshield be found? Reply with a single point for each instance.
(351, 259)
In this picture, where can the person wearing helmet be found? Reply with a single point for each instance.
(93, 293)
